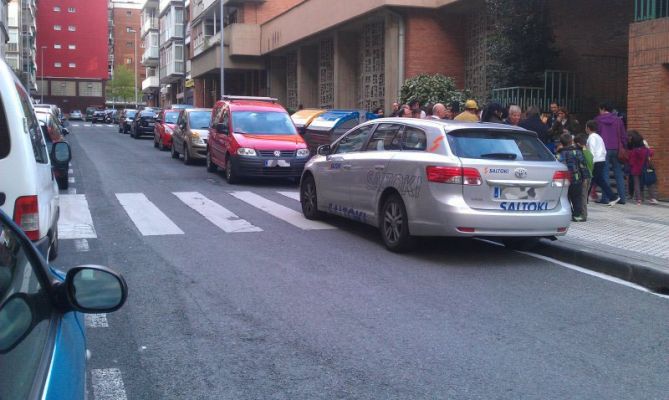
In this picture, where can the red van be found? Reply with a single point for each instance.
(254, 137)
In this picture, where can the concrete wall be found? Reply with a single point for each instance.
(648, 91)
(307, 75)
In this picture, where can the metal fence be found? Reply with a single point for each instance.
(523, 96)
(650, 9)
(559, 86)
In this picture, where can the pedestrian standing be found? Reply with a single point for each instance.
(396, 110)
(564, 123)
(581, 142)
(639, 160)
(554, 107)
(414, 105)
(449, 114)
(571, 156)
(612, 130)
(493, 112)
(515, 114)
(439, 111)
(600, 177)
(533, 123)
(470, 113)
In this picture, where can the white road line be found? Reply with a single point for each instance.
(87, 125)
(75, 220)
(71, 179)
(108, 384)
(81, 245)
(292, 195)
(75, 124)
(277, 210)
(71, 190)
(215, 213)
(147, 217)
(593, 273)
(96, 321)
(70, 171)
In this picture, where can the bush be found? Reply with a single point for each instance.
(432, 89)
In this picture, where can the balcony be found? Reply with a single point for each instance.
(650, 9)
(165, 4)
(172, 71)
(243, 39)
(150, 57)
(148, 25)
(151, 83)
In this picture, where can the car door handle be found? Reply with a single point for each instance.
(346, 166)
(379, 167)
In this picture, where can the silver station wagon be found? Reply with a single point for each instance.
(412, 177)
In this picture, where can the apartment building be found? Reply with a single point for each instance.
(73, 39)
(20, 46)
(172, 51)
(125, 41)
(150, 31)
(4, 35)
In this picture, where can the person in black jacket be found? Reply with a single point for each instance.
(533, 123)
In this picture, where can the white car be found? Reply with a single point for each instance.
(412, 177)
(29, 193)
(76, 114)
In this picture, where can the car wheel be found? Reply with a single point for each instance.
(394, 225)
(63, 183)
(309, 199)
(211, 167)
(230, 173)
(155, 142)
(53, 248)
(162, 144)
(175, 155)
(136, 134)
(187, 159)
(521, 243)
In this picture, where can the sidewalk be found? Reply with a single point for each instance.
(627, 241)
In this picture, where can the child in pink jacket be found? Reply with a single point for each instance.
(638, 156)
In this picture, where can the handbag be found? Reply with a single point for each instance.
(623, 154)
(648, 175)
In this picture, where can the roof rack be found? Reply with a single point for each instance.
(254, 98)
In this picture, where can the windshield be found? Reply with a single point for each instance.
(498, 145)
(130, 114)
(199, 119)
(171, 117)
(262, 123)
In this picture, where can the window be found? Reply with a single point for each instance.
(128, 60)
(57, 27)
(354, 140)
(71, 28)
(498, 145)
(57, 46)
(90, 89)
(39, 147)
(386, 137)
(72, 65)
(128, 44)
(63, 88)
(56, 8)
(71, 9)
(414, 139)
(199, 119)
(72, 46)
(57, 64)
(128, 13)
(263, 123)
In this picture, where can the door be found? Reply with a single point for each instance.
(219, 141)
(335, 172)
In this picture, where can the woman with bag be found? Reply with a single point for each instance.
(641, 169)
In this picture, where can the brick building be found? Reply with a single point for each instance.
(125, 44)
(74, 38)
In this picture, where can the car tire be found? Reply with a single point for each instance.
(53, 247)
(230, 173)
(521, 243)
(136, 135)
(309, 199)
(187, 159)
(161, 145)
(155, 142)
(394, 225)
(211, 167)
(174, 152)
(63, 183)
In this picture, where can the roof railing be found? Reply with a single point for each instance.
(251, 98)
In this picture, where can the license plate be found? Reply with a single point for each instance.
(514, 193)
(277, 163)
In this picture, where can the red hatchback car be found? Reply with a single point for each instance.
(164, 127)
(254, 137)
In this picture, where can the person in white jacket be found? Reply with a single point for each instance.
(598, 150)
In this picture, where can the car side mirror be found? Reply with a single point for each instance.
(323, 150)
(95, 289)
(61, 152)
(222, 128)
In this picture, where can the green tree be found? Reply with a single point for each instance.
(432, 89)
(122, 85)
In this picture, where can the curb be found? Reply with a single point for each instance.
(648, 275)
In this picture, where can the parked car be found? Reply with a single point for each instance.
(29, 193)
(143, 124)
(109, 116)
(76, 115)
(181, 106)
(191, 134)
(42, 340)
(53, 133)
(125, 122)
(254, 137)
(98, 116)
(413, 177)
(90, 110)
(164, 127)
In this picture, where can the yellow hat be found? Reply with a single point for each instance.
(471, 104)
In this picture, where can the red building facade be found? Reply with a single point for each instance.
(72, 52)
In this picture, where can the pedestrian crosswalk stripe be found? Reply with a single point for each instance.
(75, 220)
(277, 210)
(292, 195)
(148, 219)
(87, 125)
(215, 213)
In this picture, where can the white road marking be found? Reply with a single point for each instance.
(292, 195)
(71, 190)
(277, 210)
(96, 321)
(147, 217)
(87, 125)
(108, 384)
(75, 220)
(71, 179)
(215, 213)
(81, 245)
(70, 171)
(593, 273)
(75, 124)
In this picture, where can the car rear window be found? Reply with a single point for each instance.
(498, 145)
(199, 119)
(4, 133)
(263, 123)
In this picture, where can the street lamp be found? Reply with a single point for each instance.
(222, 50)
(134, 31)
(41, 89)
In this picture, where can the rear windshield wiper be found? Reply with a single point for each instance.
(500, 156)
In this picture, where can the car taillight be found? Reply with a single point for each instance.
(26, 215)
(561, 178)
(456, 175)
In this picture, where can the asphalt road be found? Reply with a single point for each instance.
(287, 313)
